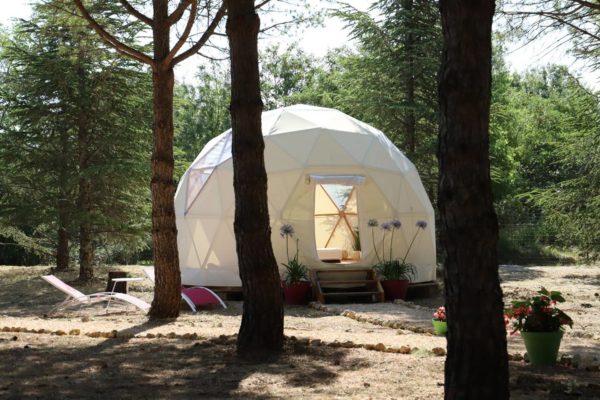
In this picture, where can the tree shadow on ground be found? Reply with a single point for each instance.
(173, 369)
(517, 273)
(552, 383)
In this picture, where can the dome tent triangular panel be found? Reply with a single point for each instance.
(303, 142)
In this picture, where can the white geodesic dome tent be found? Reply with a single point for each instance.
(328, 174)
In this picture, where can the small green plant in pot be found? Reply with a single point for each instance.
(395, 274)
(540, 323)
(440, 325)
(356, 247)
(295, 275)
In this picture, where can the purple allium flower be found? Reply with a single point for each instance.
(286, 230)
(396, 224)
(386, 226)
(421, 224)
(373, 223)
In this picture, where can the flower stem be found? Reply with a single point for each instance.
(383, 247)
(374, 247)
(410, 246)
(287, 248)
(391, 242)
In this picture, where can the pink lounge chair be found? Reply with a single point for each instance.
(76, 298)
(194, 296)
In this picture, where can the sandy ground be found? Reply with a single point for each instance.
(345, 350)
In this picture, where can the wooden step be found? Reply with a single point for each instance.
(334, 294)
(361, 281)
(324, 288)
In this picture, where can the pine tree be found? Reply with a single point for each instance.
(78, 118)
(391, 82)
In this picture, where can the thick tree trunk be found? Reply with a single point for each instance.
(261, 331)
(62, 247)
(167, 288)
(410, 121)
(86, 246)
(476, 365)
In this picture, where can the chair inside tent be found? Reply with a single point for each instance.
(336, 223)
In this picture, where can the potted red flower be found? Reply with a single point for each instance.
(296, 286)
(540, 323)
(440, 325)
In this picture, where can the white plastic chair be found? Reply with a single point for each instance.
(76, 298)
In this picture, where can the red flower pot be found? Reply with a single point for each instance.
(395, 289)
(296, 293)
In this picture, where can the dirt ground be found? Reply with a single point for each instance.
(358, 351)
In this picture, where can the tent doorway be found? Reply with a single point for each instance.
(337, 236)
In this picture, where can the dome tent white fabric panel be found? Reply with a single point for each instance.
(302, 142)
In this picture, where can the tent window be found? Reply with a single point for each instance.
(336, 223)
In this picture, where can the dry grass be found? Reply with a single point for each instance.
(194, 355)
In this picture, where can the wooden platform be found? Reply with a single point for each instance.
(422, 290)
(339, 284)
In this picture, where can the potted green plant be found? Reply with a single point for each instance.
(357, 253)
(540, 323)
(395, 274)
(296, 286)
(440, 325)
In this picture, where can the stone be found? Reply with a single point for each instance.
(438, 351)
(380, 347)
(74, 332)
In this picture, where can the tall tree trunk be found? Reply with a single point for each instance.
(261, 331)
(86, 246)
(167, 295)
(410, 121)
(62, 247)
(476, 365)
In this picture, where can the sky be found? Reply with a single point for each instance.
(318, 41)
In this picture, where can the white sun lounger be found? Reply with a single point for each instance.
(193, 296)
(76, 298)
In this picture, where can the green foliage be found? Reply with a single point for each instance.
(356, 241)
(295, 271)
(200, 113)
(394, 270)
(72, 110)
(538, 313)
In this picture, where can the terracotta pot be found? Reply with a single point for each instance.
(395, 289)
(296, 293)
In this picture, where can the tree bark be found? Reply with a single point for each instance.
(167, 296)
(86, 246)
(261, 331)
(476, 364)
(410, 121)
(62, 247)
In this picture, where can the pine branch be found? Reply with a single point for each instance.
(131, 10)
(176, 15)
(205, 36)
(184, 35)
(111, 40)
